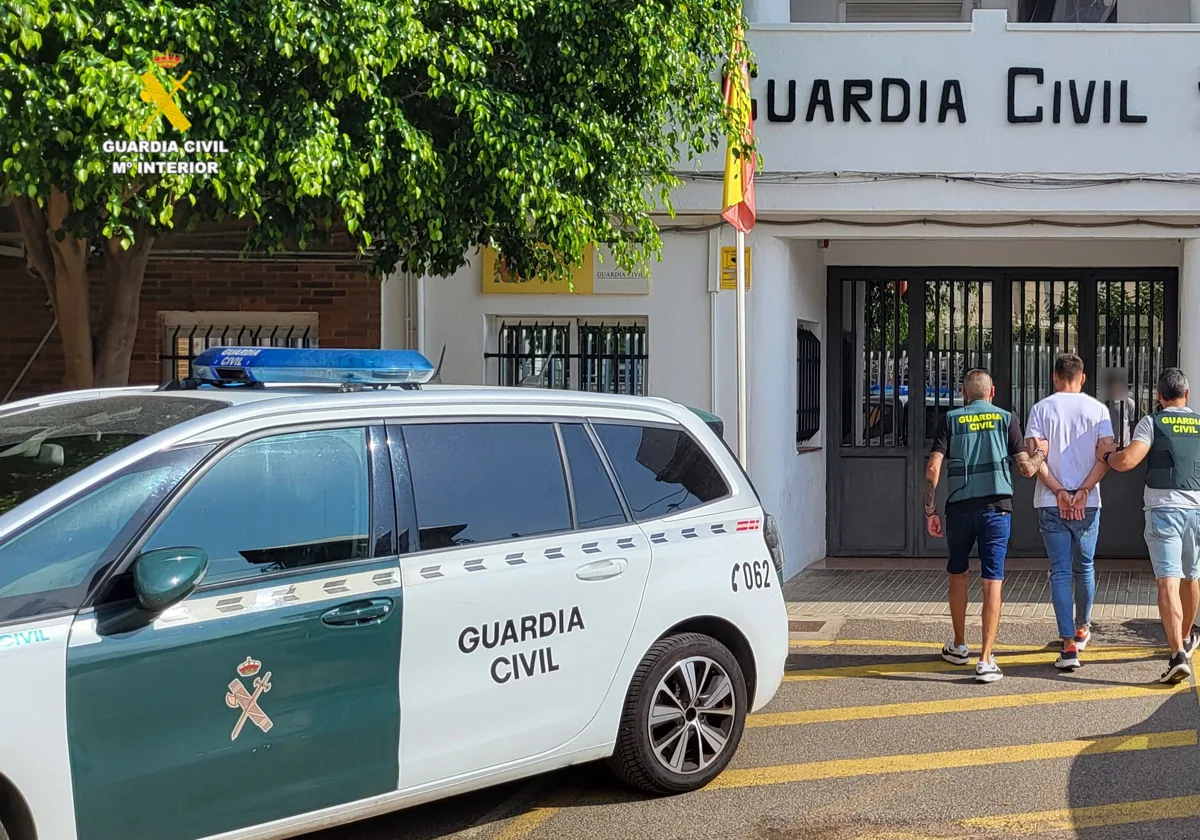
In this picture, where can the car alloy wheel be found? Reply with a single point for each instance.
(692, 715)
(684, 715)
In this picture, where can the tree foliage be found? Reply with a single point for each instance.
(423, 129)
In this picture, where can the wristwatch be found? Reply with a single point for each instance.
(930, 512)
(1107, 455)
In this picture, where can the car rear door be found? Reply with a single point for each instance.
(522, 597)
(272, 690)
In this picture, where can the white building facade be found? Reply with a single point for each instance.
(960, 190)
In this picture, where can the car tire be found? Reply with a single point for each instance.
(683, 717)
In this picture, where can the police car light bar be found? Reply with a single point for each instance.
(251, 365)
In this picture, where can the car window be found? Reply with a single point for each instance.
(282, 502)
(661, 470)
(41, 446)
(596, 501)
(482, 482)
(49, 566)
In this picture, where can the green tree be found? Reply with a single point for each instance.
(538, 127)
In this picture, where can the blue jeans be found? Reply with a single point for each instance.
(1071, 547)
(990, 528)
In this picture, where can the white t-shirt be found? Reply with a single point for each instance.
(1072, 424)
(1164, 498)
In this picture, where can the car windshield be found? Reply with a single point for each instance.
(43, 446)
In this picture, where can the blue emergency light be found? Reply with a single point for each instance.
(254, 365)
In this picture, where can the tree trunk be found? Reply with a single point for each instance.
(70, 294)
(124, 273)
(61, 263)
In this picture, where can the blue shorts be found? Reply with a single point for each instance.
(1173, 537)
(990, 529)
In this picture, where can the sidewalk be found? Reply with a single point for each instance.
(1120, 595)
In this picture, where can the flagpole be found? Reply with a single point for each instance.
(738, 208)
(743, 437)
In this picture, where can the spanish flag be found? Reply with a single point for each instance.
(738, 204)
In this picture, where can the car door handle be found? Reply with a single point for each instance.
(602, 569)
(359, 613)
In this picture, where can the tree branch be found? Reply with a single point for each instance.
(36, 236)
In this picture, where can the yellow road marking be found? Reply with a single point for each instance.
(941, 666)
(880, 765)
(1061, 819)
(930, 646)
(967, 704)
(525, 824)
(1096, 816)
(934, 647)
(908, 835)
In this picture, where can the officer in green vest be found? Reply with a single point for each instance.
(978, 442)
(1169, 441)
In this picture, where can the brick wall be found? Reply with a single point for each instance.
(345, 298)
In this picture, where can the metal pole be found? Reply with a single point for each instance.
(29, 363)
(740, 261)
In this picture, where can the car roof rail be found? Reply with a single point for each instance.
(192, 384)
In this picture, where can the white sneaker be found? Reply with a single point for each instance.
(1068, 659)
(960, 655)
(988, 672)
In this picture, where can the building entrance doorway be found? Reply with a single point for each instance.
(907, 337)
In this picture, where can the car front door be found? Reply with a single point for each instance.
(273, 689)
(46, 571)
(525, 591)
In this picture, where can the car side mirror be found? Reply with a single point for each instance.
(164, 577)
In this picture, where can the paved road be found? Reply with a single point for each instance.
(873, 736)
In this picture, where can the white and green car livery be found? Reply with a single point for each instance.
(250, 612)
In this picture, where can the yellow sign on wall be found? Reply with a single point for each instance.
(500, 283)
(729, 267)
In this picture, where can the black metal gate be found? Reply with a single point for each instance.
(907, 338)
(611, 359)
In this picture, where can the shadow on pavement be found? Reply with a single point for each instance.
(1112, 795)
(475, 816)
(437, 820)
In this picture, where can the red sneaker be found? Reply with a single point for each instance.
(1083, 637)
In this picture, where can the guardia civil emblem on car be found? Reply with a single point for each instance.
(239, 698)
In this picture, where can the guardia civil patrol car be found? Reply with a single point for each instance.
(249, 605)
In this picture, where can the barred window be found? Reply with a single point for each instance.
(188, 334)
(808, 384)
(602, 356)
(612, 358)
(534, 354)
